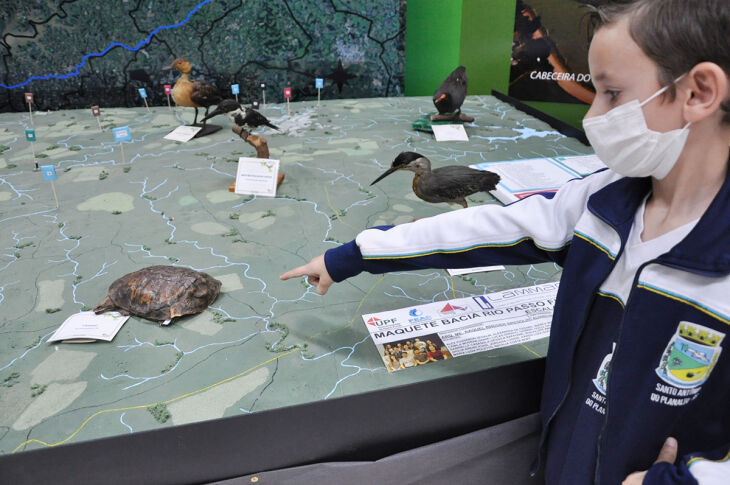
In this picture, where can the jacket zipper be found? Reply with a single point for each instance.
(618, 340)
(541, 452)
(615, 354)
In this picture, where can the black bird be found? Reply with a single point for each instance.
(449, 97)
(247, 118)
(452, 183)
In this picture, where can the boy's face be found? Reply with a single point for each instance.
(621, 72)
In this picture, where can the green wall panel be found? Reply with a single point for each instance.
(441, 35)
(433, 43)
(486, 43)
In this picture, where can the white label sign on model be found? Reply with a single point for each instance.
(449, 132)
(183, 133)
(257, 176)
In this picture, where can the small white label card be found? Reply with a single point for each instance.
(87, 327)
(479, 269)
(183, 133)
(257, 176)
(455, 132)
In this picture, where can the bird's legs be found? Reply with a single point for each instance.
(195, 121)
(206, 115)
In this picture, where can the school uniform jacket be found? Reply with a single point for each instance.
(670, 370)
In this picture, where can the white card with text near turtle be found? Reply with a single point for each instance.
(88, 327)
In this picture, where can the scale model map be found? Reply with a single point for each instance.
(263, 343)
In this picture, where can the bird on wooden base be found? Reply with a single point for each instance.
(247, 118)
(451, 184)
(193, 94)
(449, 97)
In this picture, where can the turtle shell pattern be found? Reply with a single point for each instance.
(161, 292)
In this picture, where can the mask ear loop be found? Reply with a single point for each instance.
(662, 90)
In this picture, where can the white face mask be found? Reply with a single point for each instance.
(627, 146)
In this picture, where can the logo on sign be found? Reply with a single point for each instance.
(235, 89)
(168, 89)
(377, 322)
(255, 104)
(142, 92)
(28, 97)
(122, 133)
(287, 92)
(449, 308)
(319, 83)
(49, 172)
(417, 315)
(95, 111)
(482, 302)
(30, 135)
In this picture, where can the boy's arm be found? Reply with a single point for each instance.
(535, 229)
(532, 230)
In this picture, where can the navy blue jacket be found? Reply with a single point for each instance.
(670, 371)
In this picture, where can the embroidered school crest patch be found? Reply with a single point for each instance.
(690, 355)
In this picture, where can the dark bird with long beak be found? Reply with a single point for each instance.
(246, 118)
(193, 94)
(449, 97)
(451, 184)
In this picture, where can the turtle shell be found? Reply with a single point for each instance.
(161, 292)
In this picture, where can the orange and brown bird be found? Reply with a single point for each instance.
(193, 94)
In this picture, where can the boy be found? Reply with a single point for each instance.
(642, 315)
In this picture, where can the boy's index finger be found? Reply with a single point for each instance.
(293, 273)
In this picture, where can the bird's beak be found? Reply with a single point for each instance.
(167, 68)
(215, 112)
(388, 172)
(441, 98)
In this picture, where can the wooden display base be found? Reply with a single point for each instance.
(262, 150)
(207, 130)
(258, 142)
(452, 117)
(279, 180)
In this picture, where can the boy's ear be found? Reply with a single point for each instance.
(708, 87)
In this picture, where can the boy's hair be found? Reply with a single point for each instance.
(676, 34)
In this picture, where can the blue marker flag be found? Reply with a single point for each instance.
(30, 135)
(235, 89)
(49, 172)
(122, 133)
(142, 92)
(319, 83)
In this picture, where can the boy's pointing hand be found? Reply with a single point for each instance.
(316, 273)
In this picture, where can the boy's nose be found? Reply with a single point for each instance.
(592, 111)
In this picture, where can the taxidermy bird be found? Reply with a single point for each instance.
(452, 183)
(193, 94)
(449, 97)
(247, 118)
